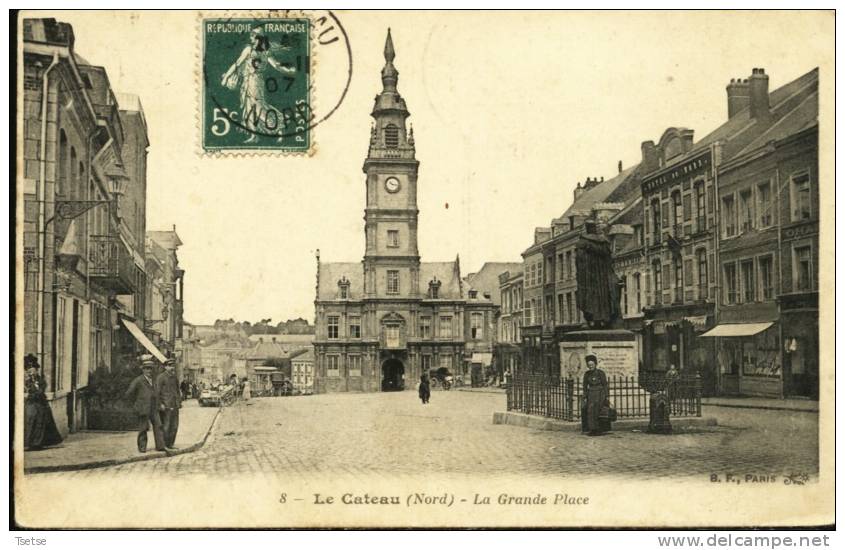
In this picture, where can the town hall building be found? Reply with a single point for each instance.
(383, 321)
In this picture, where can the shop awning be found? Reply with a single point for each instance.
(264, 369)
(484, 358)
(697, 321)
(737, 329)
(143, 340)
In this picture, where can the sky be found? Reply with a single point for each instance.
(510, 111)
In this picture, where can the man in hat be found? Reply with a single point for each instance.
(141, 394)
(169, 401)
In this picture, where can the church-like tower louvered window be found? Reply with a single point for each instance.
(391, 136)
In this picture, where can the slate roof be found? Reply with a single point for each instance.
(487, 278)
(332, 272)
(599, 193)
(283, 338)
(276, 350)
(307, 355)
(448, 273)
(803, 116)
(740, 131)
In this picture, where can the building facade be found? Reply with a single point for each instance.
(550, 273)
(382, 322)
(768, 254)
(82, 265)
(166, 289)
(508, 349)
(720, 270)
(302, 366)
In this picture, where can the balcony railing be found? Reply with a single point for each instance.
(110, 264)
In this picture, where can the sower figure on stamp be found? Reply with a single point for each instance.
(145, 404)
(169, 401)
(248, 73)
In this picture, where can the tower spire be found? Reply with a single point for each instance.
(389, 131)
(389, 74)
(389, 52)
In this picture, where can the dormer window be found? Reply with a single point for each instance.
(391, 136)
(473, 294)
(343, 286)
(434, 288)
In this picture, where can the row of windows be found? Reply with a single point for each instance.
(512, 299)
(566, 266)
(635, 286)
(750, 281)
(752, 207)
(567, 310)
(677, 275)
(534, 274)
(71, 185)
(745, 281)
(680, 208)
(444, 327)
(511, 331)
(354, 364)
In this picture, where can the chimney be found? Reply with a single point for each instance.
(650, 156)
(758, 85)
(578, 191)
(620, 167)
(739, 97)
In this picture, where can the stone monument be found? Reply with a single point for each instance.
(598, 297)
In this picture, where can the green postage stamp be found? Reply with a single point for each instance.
(256, 85)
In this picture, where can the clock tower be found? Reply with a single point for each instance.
(391, 258)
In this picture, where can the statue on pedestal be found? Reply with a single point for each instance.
(598, 286)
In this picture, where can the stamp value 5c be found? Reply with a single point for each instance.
(256, 92)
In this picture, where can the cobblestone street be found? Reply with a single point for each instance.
(392, 434)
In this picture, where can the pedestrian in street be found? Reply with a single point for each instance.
(595, 411)
(672, 386)
(169, 402)
(39, 427)
(184, 388)
(247, 391)
(141, 393)
(425, 389)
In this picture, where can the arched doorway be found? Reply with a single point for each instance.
(392, 375)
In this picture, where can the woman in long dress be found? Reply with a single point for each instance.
(594, 411)
(39, 427)
(248, 73)
(247, 393)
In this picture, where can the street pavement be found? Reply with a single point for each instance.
(90, 448)
(393, 434)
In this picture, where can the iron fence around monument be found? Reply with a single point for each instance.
(562, 398)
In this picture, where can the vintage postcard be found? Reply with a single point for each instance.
(339, 269)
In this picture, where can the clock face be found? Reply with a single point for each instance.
(392, 185)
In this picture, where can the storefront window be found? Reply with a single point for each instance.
(761, 354)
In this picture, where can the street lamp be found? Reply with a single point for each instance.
(69, 209)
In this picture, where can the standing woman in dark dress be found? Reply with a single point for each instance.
(594, 420)
(425, 389)
(39, 427)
